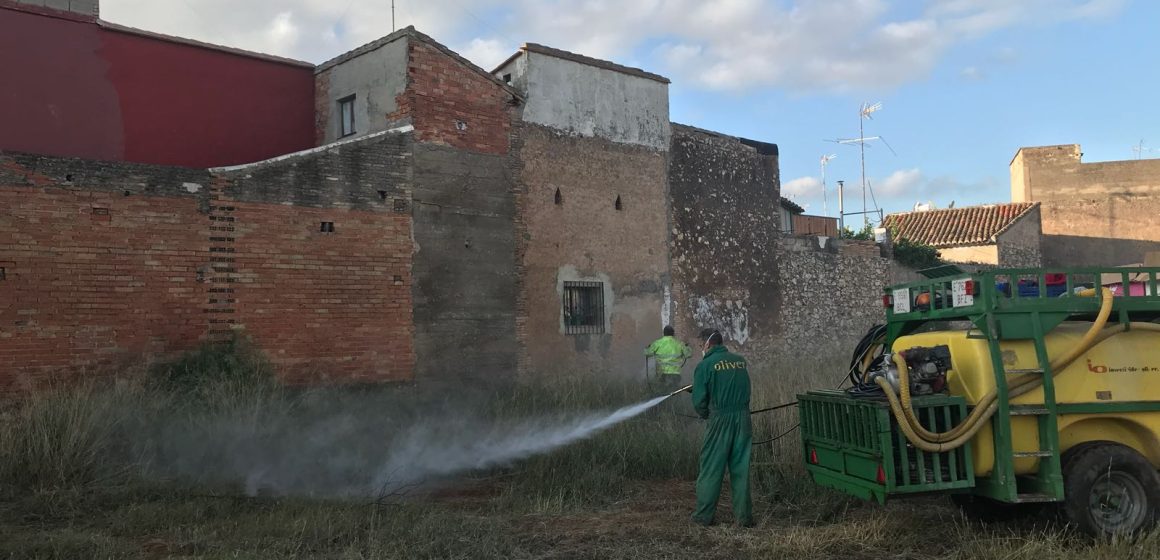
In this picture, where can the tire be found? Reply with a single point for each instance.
(1110, 489)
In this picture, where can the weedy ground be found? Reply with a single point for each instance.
(96, 471)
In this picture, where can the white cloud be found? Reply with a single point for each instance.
(487, 53)
(801, 45)
(901, 183)
(896, 192)
(802, 187)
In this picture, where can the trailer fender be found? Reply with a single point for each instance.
(1137, 431)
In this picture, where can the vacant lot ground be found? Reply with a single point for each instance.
(651, 522)
(207, 458)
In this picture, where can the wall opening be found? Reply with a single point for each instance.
(583, 308)
(346, 116)
(618, 205)
(559, 197)
(326, 227)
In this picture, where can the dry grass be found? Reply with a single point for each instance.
(91, 473)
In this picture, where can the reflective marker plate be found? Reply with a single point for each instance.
(959, 295)
(902, 300)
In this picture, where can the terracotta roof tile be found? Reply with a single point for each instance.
(955, 227)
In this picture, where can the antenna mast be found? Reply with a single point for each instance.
(825, 204)
(393, 28)
(865, 113)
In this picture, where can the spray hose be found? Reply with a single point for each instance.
(935, 442)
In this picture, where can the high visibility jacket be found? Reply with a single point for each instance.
(670, 355)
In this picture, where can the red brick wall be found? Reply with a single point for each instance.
(443, 91)
(128, 261)
(326, 306)
(94, 278)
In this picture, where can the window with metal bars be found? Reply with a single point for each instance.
(583, 308)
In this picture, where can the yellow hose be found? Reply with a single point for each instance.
(917, 440)
(955, 437)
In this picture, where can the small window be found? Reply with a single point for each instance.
(326, 227)
(583, 308)
(507, 78)
(346, 116)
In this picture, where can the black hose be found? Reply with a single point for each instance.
(858, 387)
(777, 437)
(778, 407)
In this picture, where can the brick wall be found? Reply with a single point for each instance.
(464, 269)
(100, 264)
(454, 104)
(724, 203)
(106, 263)
(335, 305)
(322, 108)
(586, 238)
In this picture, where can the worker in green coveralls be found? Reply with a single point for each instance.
(721, 395)
(670, 356)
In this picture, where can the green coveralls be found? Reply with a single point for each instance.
(670, 355)
(721, 394)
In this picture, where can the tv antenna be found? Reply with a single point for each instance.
(1139, 149)
(866, 111)
(825, 161)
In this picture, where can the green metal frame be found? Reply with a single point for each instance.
(997, 316)
(846, 441)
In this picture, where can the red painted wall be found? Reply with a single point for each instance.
(76, 88)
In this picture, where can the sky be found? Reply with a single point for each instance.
(962, 83)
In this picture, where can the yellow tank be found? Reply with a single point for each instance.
(1124, 368)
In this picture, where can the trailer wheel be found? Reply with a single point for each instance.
(1110, 489)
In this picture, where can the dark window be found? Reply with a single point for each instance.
(326, 227)
(507, 78)
(583, 308)
(618, 205)
(346, 116)
(2, 274)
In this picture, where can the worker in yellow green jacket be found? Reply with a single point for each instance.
(721, 396)
(669, 355)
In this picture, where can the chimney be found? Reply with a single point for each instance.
(90, 8)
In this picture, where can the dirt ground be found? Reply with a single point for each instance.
(479, 520)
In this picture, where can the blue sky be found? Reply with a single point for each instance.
(963, 83)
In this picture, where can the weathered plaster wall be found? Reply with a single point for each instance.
(588, 101)
(725, 237)
(585, 237)
(985, 254)
(375, 77)
(1092, 213)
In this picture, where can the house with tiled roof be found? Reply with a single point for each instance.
(993, 234)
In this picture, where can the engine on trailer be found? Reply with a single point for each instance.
(926, 369)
